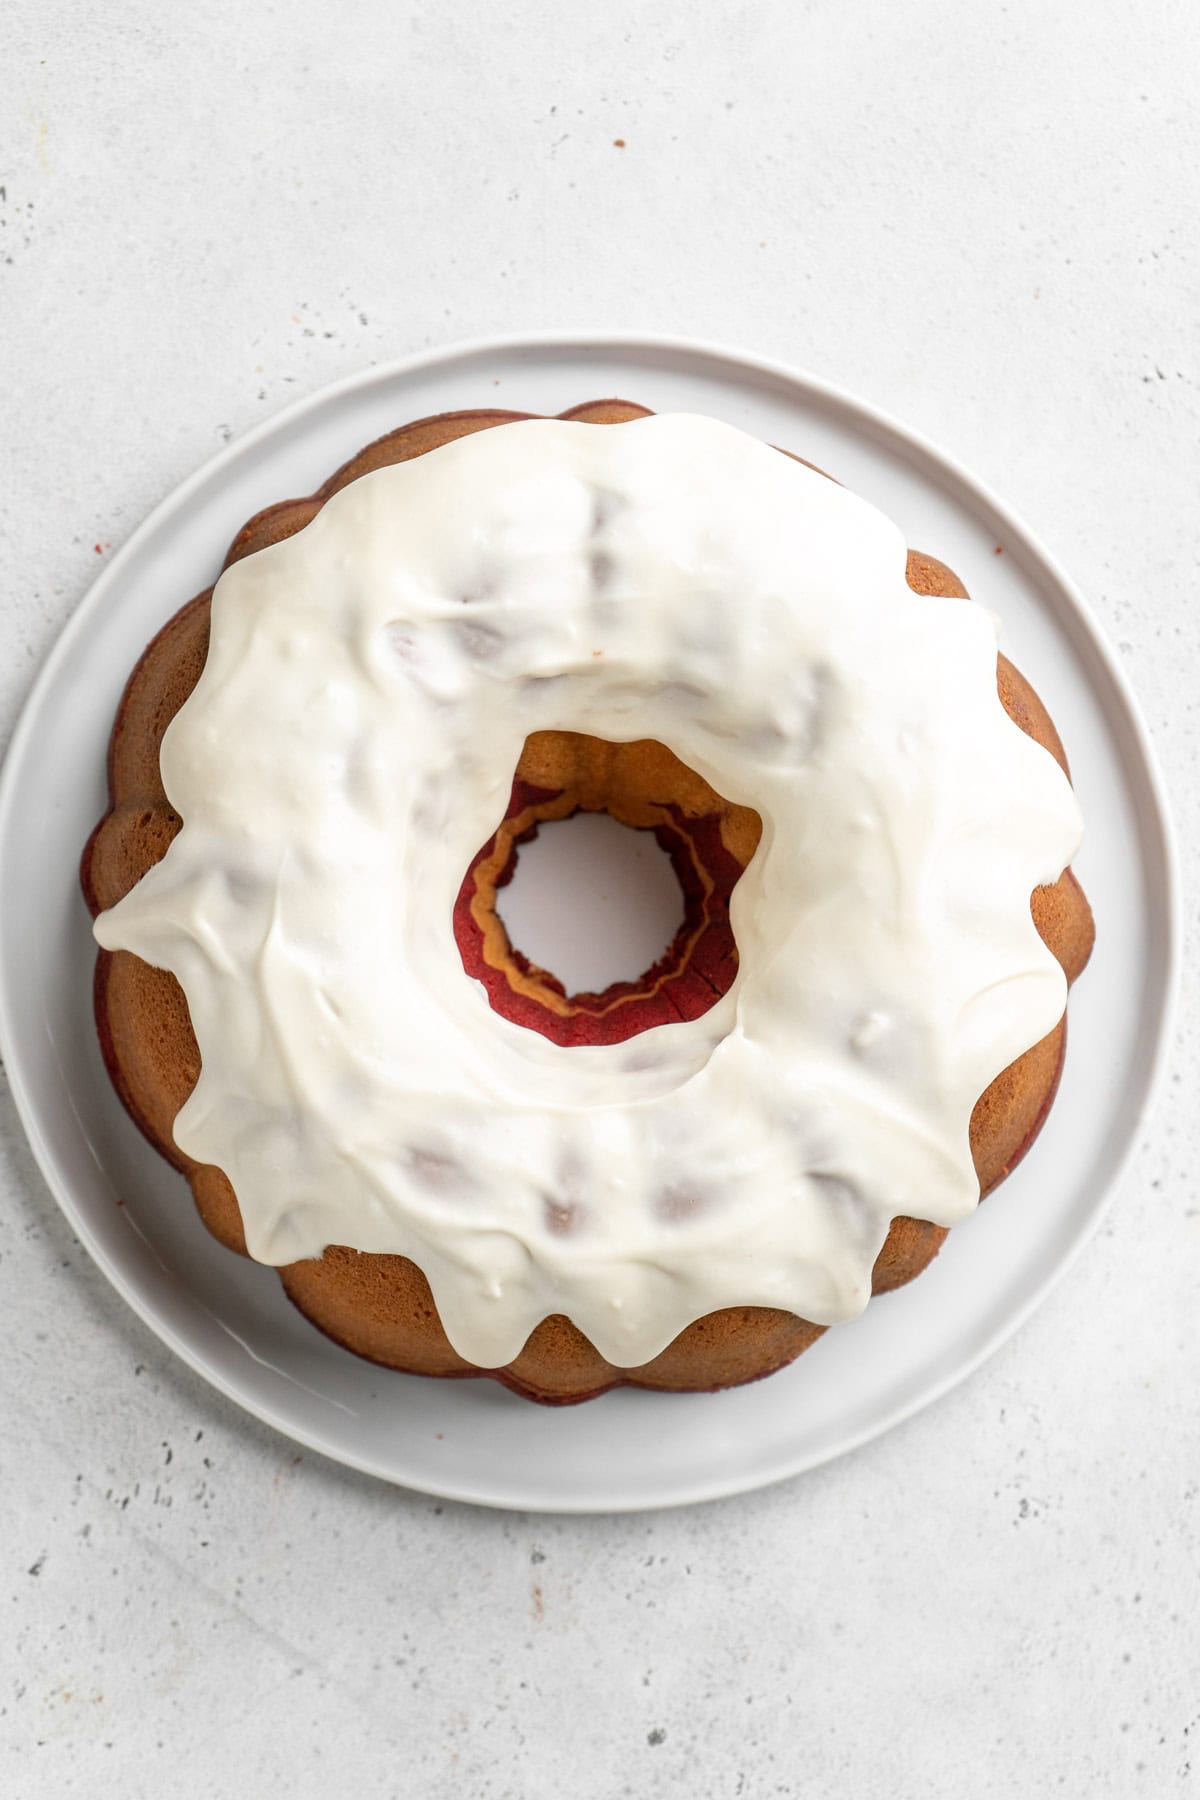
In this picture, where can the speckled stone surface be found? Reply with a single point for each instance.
(983, 219)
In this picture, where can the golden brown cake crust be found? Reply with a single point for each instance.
(381, 1306)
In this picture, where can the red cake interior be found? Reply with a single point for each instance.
(696, 969)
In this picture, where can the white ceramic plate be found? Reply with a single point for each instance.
(472, 1440)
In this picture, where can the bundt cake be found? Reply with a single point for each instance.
(887, 951)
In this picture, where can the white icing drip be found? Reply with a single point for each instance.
(350, 745)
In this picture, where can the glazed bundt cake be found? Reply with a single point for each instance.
(529, 596)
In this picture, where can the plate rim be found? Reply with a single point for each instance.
(1156, 832)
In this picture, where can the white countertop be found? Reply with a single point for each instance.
(981, 218)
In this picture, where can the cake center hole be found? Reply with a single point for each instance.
(592, 901)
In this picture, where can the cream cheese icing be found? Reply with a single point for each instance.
(350, 744)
